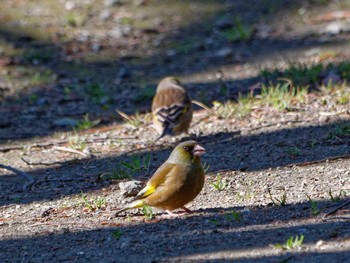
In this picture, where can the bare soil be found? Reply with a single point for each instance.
(103, 58)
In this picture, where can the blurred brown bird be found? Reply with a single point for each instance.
(171, 108)
(176, 182)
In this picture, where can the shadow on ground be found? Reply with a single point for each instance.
(211, 235)
(225, 152)
(127, 82)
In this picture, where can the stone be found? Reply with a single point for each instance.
(130, 188)
(224, 52)
(65, 122)
(224, 22)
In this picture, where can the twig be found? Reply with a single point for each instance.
(60, 142)
(39, 144)
(334, 210)
(46, 163)
(65, 149)
(200, 104)
(125, 116)
(57, 224)
(274, 124)
(332, 113)
(59, 180)
(346, 156)
(30, 179)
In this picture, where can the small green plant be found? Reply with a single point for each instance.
(233, 216)
(344, 69)
(239, 109)
(96, 93)
(74, 19)
(248, 192)
(313, 206)
(206, 166)
(94, 204)
(138, 163)
(343, 98)
(219, 184)
(312, 143)
(245, 105)
(337, 197)
(146, 93)
(184, 47)
(33, 98)
(126, 20)
(133, 121)
(147, 212)
(17, 199)
(67, 90)
(42, 77)
(117, 174)
(278, 201)
(37, 56)
(281, 96)
(239, 32)
(302, 74)
(294, 151)
(136, 121)
(340, 130)
(117, 234)
(85, 123)
(78, 143)
(291, 243)
(215, 222)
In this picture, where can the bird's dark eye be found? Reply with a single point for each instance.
(186, 148)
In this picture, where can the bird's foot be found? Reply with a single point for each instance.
(187, 210)
(172, 214)
(193, 136)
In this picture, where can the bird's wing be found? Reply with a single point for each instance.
(157, 179)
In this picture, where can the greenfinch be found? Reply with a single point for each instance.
(171, 108)
(175, 183)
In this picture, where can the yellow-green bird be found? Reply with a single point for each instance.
(171, 108)
(176, 182)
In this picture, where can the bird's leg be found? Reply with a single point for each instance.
(192, 136)
(171, 214)
(186, 210)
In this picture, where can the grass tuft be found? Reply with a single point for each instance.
(291, 243)
(219, 184)
(239, 32)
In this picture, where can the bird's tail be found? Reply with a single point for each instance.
(166, 131)
(132, 205)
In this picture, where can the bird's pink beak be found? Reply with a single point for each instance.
(198, 150)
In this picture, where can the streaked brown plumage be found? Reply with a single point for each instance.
(176, 182)
(171, 108)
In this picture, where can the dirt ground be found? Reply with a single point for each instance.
(271, 175)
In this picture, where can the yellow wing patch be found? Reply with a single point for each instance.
(146, 191)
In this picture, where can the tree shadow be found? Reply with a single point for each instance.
(210, 236)
(127, 82)
(226, 151)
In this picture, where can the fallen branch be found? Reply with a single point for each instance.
(334, 210)
(30, 179)
(65, 149)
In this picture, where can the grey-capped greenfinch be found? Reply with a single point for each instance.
(176, 182)
(171, 108)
